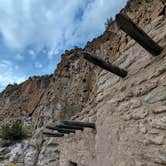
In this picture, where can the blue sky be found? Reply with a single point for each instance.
(34, 33)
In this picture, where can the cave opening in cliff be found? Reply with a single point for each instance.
(71, 163)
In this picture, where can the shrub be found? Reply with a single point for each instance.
(11, 164)
(108, 23)
(12, 132)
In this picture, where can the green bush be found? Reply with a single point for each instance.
(12, 132)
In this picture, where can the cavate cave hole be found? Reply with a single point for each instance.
(84, 80)
(110, 49)
(85, 90)
(163, 11)
(71, 163)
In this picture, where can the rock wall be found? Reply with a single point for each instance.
(129, 113)
(17, 101)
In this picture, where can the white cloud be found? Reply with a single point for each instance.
(8, 76)
(19, 57)
(53, 23)
(32, 54)
(51, 53)
(38, 65)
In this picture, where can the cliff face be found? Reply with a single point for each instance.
(21, 100)
(71, 83)
(129, 113)
(64, 93)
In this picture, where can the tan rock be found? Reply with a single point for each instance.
(139, 113)
(128, 112)
(159, 109)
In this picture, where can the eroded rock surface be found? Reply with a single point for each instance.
(129, 113)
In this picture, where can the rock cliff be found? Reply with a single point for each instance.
(129, 113)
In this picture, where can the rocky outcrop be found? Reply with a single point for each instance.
(63, 93)
(21, 100)
(129, 113)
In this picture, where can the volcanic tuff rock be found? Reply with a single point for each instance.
(129, 113)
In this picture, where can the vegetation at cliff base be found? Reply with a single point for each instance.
(13, 132)
(11, 164)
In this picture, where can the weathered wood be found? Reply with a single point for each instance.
(69, 127)
(128, 26)
(53, 134)
(105, 65)
(61, 130)
(80, 124)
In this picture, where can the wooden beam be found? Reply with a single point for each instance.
(53, 134)
(105, 65)
(79, 124)
(128, 26)
(61, 130)
(69, 127)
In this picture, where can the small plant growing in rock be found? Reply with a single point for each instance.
(12, 132)
(108, 23)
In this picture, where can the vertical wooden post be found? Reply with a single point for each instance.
(128, 26)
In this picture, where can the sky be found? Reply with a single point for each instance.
(34, 33)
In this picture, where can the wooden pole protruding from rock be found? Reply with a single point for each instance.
(70, 127)
(80, 124)
(128, 26)
(61, 130)
(53, 134)
(105, 65)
